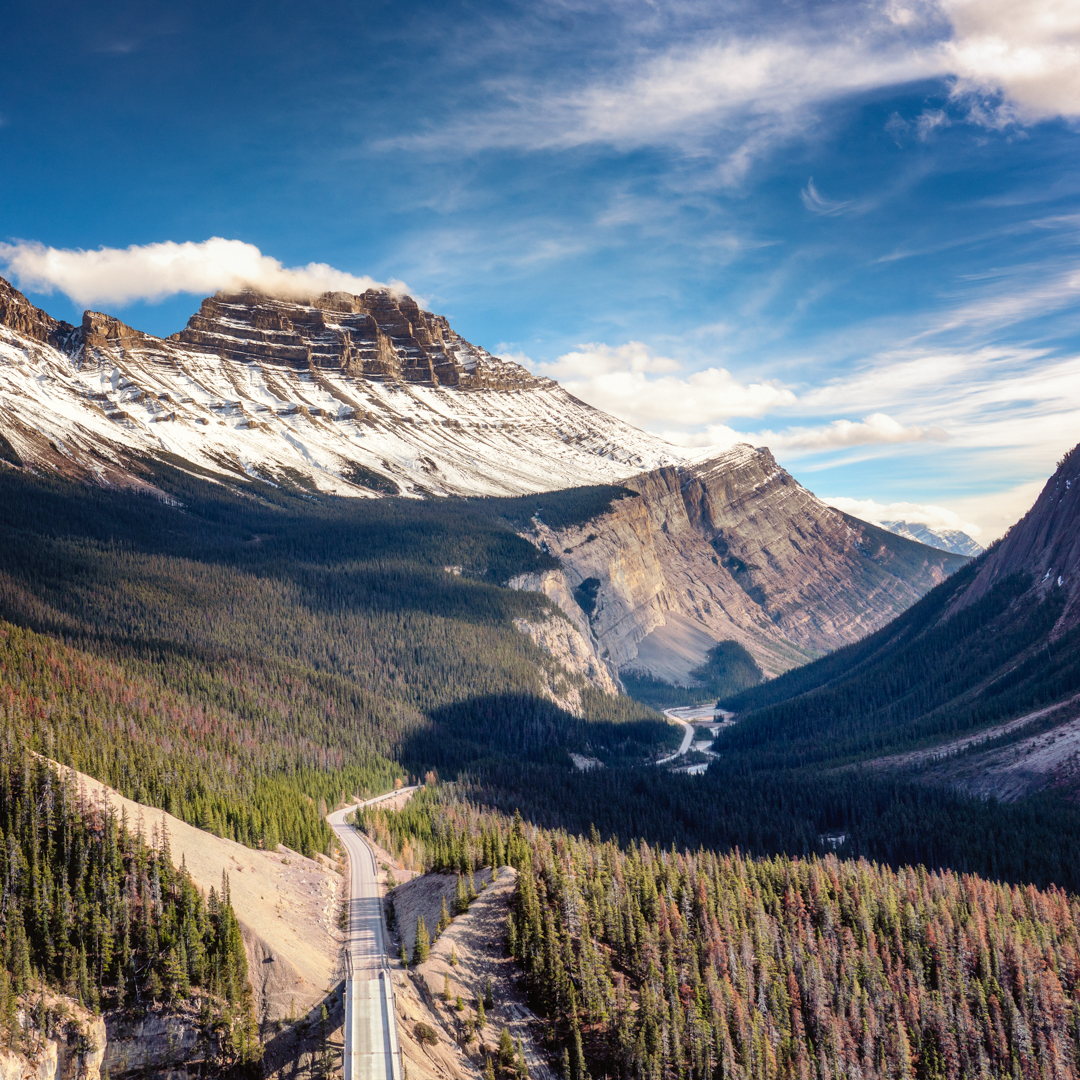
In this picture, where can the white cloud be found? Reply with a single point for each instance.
(816, 203)
(119, 276)
(1027, 50)
(937, 517)
(985, 516)
(632, 382)
(877, 428)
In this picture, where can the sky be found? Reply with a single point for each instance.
(849, 231)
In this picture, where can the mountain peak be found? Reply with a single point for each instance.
(1044, 543)
(953, 540)
(377, 334)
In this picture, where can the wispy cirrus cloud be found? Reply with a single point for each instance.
(816, 203)
(151, 272)
(736, 91)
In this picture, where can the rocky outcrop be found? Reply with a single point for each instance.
(573, 653)
(20, 316)
(75, 1053)
(159, 1042)
(732, 549)
(375, 335)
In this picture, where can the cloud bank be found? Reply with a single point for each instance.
(631, 382)
(152, 272)
(1026, 50)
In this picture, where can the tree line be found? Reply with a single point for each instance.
(93, 909)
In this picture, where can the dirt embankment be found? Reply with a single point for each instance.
(288, 906)
(475, 940)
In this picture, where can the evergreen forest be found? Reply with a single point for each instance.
(93, 910)
(648, 962)
(246, 657)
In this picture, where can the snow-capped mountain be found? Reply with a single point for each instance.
(944, 539)
(368, 396)
(352, 395)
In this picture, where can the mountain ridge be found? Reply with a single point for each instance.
(368, 395)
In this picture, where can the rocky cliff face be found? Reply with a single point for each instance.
(71, 1050)
(1044, 543)
(732, 549)
(369, 395)
(19, 315)
(375, 335)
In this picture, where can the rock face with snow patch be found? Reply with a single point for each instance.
(946, 539)
(1044, 543)
(349, 395)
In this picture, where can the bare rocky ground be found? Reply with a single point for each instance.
(1045, 759)
(476, 940)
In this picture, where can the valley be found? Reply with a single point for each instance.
(302, 554)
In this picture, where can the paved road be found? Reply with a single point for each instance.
(687, 739)
(682, 716)
(371, 1043)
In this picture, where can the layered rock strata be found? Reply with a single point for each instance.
(730, 549)
(375, 335)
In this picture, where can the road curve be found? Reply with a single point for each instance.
(687, 739)
(371, 1043)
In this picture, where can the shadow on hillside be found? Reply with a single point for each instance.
(529, 728)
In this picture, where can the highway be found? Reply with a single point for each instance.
(371, 1042)
(688, 738)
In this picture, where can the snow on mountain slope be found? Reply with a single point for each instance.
(350, 395)
(945, 539)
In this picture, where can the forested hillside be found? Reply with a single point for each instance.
(95, 912)
(246, 662)
(653, 963)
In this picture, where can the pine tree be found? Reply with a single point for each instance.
(422, 943)
(506, 1048)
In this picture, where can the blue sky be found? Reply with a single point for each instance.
(848, 231)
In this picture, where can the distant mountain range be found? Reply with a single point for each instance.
(368, 395)
(946, 539)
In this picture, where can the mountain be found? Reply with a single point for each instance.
(369, 395)
(946, 539)
(975, 686)
(345, 395)
(732, 549)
